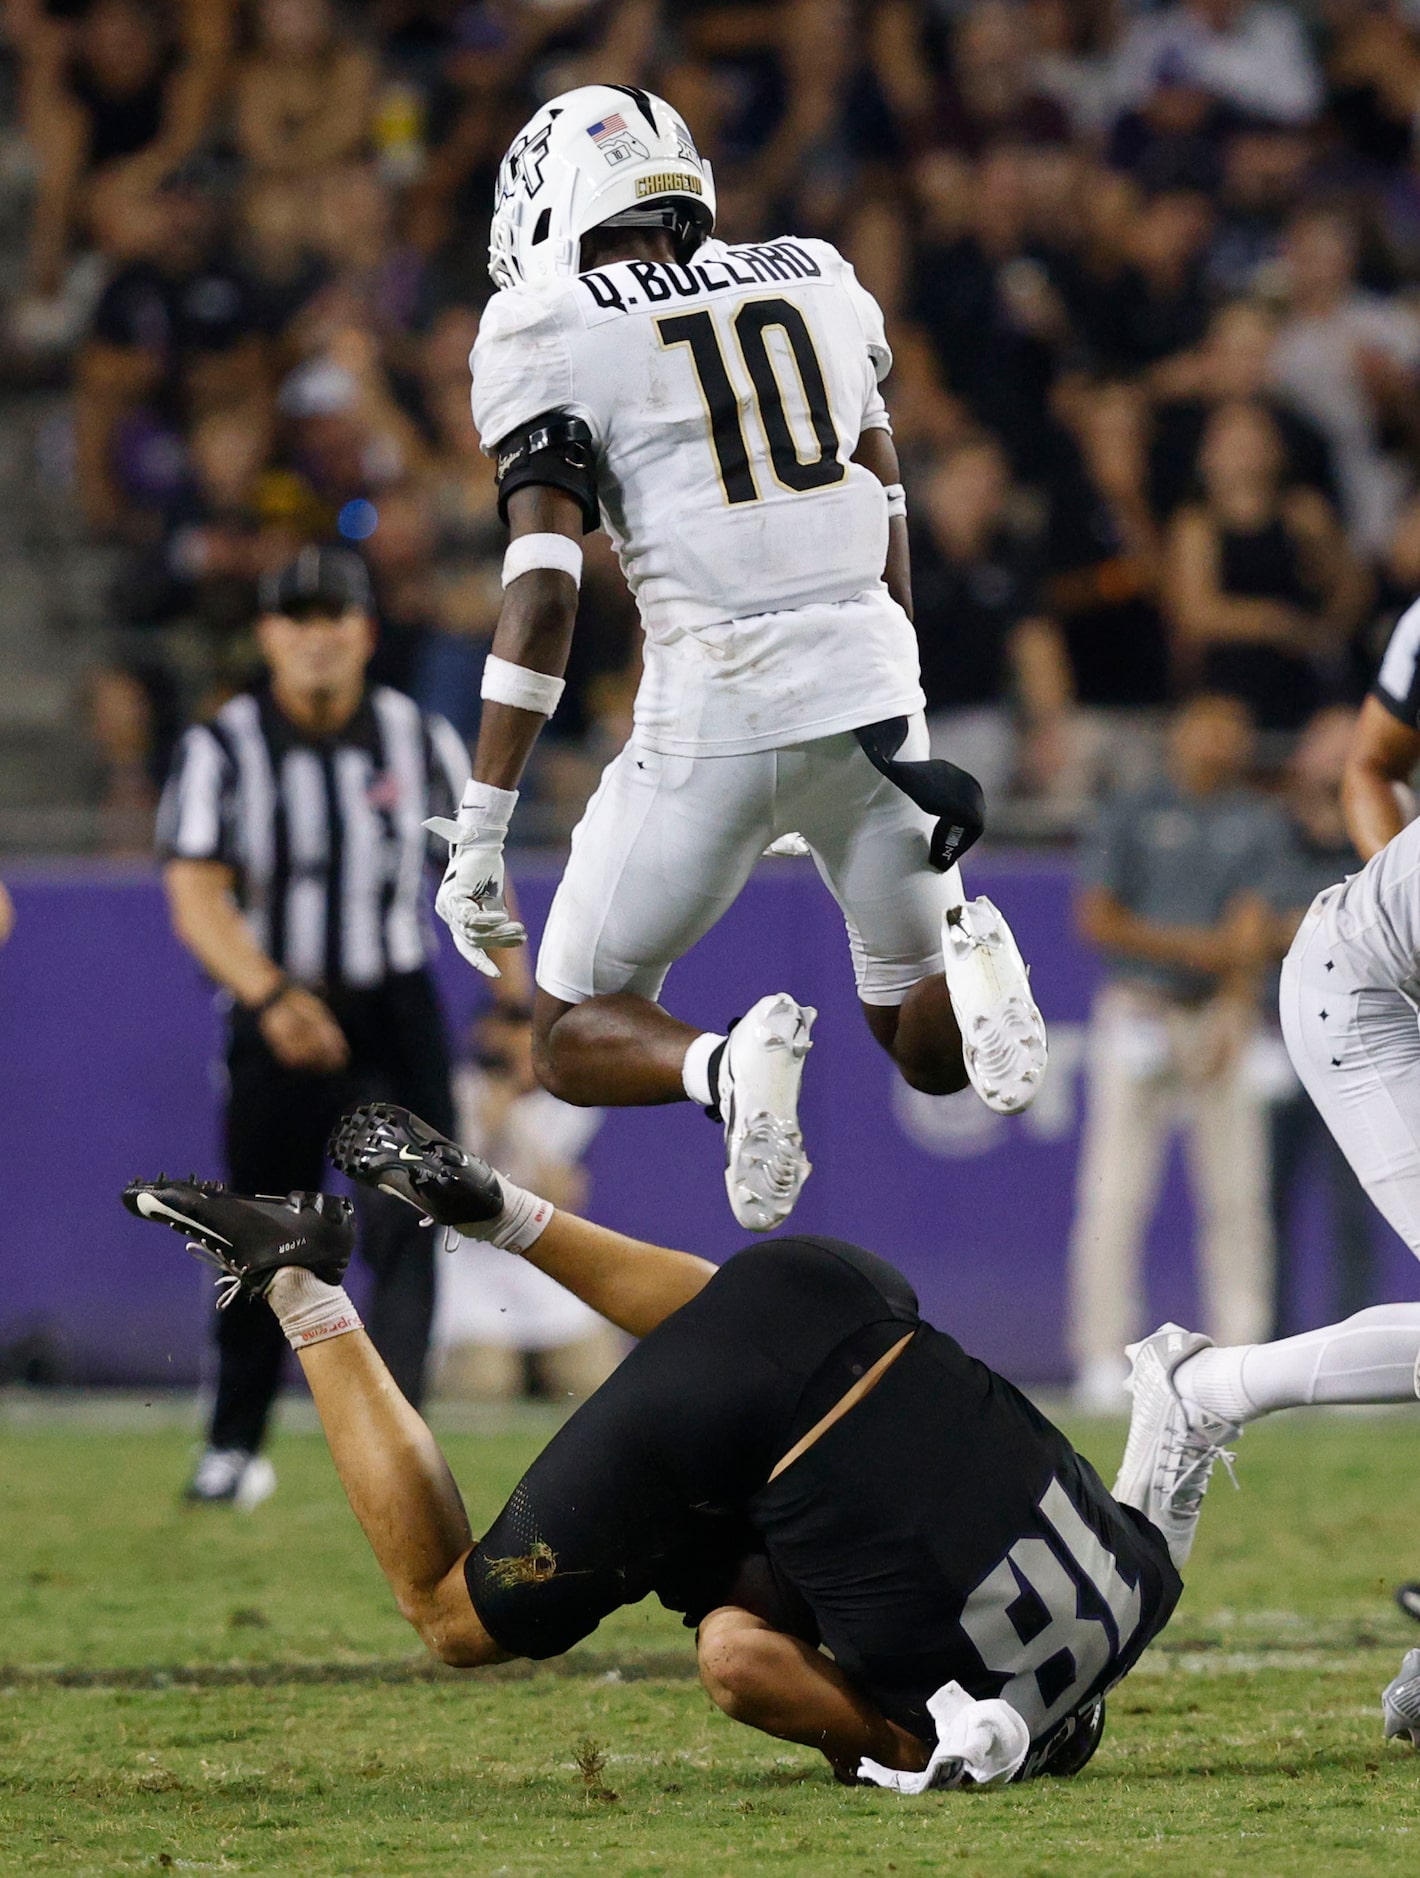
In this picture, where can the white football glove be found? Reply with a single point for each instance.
(470, 896)
(788, 848)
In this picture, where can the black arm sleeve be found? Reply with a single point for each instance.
(556, 451)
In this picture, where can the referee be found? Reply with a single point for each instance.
(290, 832)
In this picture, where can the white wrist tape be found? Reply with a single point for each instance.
(896, 498)
(310, 1311)
(483, 806)
(522, 1222)
(525, 690)
(531, 551)
(484, 810)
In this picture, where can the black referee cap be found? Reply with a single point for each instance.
(319, 580)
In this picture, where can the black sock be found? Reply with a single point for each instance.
(712, 1076)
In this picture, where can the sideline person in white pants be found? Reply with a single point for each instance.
(1171, 894)
(1157, 1067)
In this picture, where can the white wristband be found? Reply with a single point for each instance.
(558, 552)
(484, 810)
(525, 690)
(896, 498)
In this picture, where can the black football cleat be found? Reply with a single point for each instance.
(250, 1239)
(386, 1147)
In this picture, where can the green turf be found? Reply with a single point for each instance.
(194, 1691)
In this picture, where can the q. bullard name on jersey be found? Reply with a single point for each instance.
(659, 281)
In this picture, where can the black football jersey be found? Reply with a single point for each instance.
(945, 1531)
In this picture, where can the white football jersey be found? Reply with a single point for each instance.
(726, 398)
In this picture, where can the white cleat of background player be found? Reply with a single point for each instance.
(233, 1477)
(1400, 1702)
(1002, 1032)
(1172, 1449)
(760, 1072)
(1190, 1397)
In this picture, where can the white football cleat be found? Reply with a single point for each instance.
(1170, 1454)
(1002, 1033)
(1400, 1702)
(760, 1072)
(233, 1476)
(257, 1484)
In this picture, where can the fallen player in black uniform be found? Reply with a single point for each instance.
(889, 1555)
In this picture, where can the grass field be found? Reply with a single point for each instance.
(195, 1691)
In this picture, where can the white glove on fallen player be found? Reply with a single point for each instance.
(470, 896)
(985, 1742)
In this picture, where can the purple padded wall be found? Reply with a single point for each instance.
(108, 1049)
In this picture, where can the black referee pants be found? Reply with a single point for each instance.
(277, 1124)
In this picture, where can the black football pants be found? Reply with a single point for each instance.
(277, 1124)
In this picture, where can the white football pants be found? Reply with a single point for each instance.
(1355, 1044)
(667, 843)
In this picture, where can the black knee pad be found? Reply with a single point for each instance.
(532, 1599)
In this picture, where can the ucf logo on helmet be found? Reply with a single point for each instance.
(523, 163)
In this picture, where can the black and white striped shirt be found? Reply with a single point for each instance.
(324, 837)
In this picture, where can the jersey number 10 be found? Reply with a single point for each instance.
(751, 322)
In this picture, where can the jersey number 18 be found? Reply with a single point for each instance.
(1026, 1621)
(752, 321)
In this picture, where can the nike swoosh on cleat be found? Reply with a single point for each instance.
(397, 1193)
(411, 1154)
(151, 1207)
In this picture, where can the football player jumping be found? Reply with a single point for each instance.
(717, 409)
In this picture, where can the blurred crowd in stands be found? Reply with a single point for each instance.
(1152, 277)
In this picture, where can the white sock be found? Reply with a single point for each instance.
(695, 1070)
(310, 1311)
(1371, 1357)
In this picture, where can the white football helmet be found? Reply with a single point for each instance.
(602, 153)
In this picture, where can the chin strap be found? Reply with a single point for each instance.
(670, 213)
(663, 214)
(953, 795)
